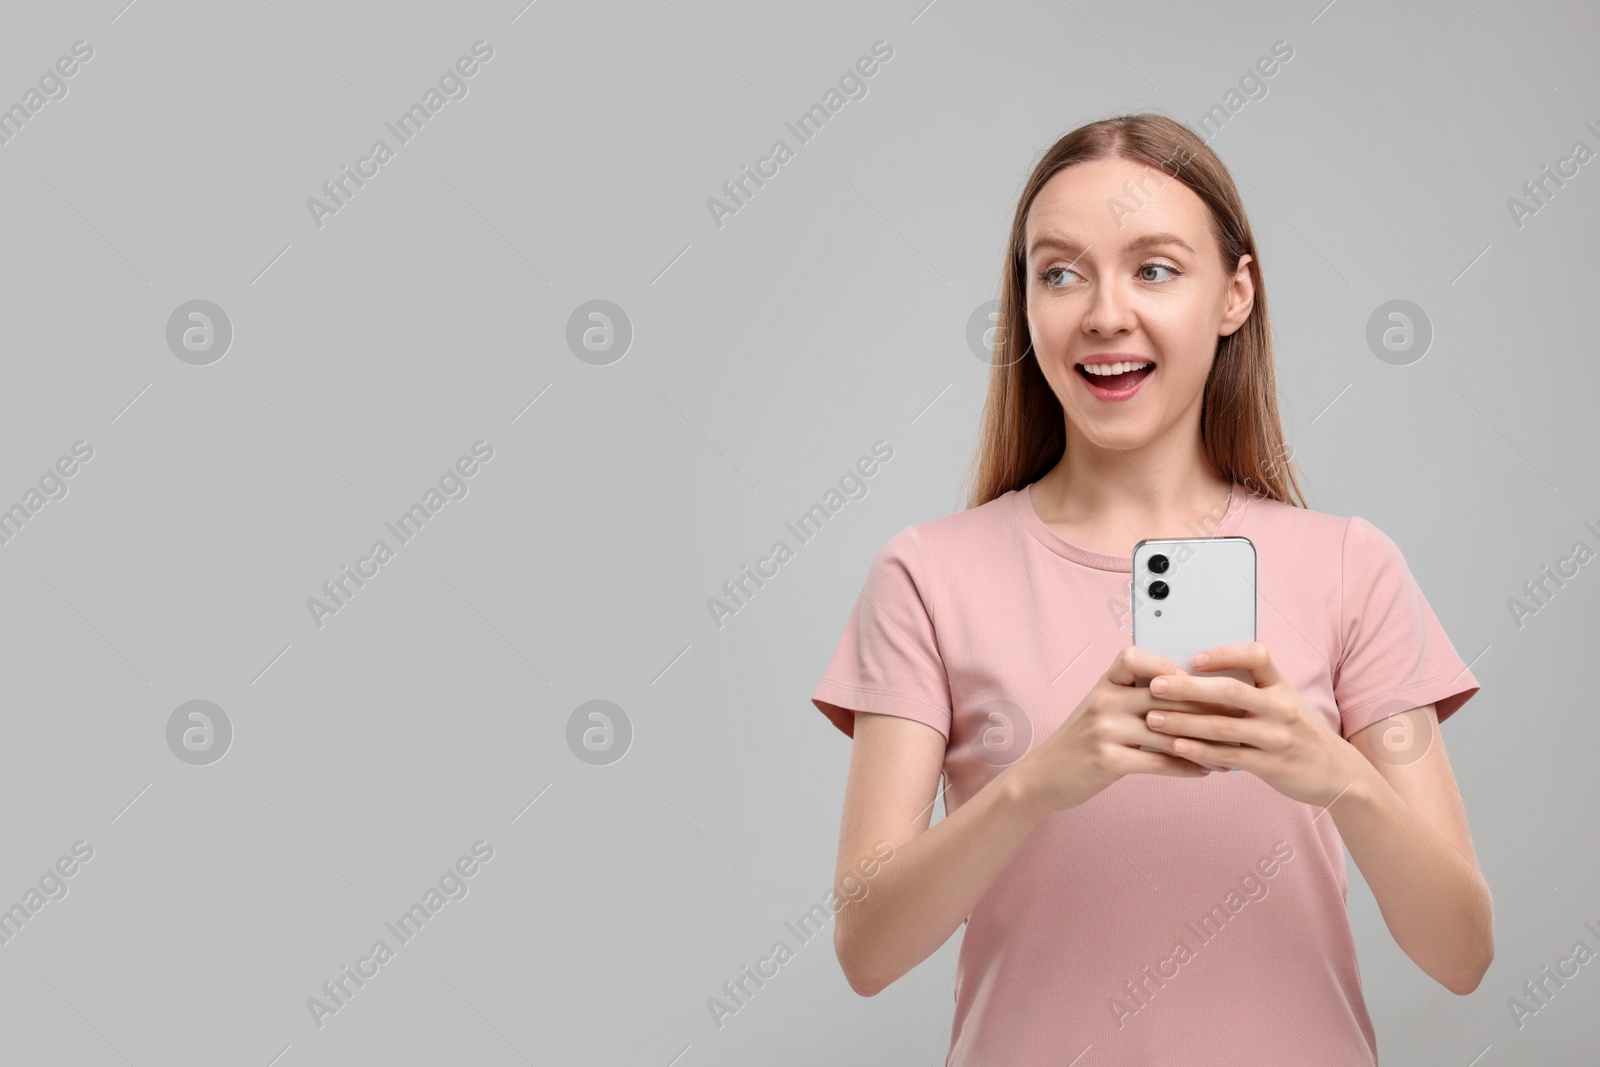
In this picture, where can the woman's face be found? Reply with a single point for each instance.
(1121, 266)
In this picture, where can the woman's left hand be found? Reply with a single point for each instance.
(1284, 741)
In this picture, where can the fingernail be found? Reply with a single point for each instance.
(1201, 659)
(1155, 718)
(1158, 685)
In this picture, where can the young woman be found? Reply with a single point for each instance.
(1131, 885)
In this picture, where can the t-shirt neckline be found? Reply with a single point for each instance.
(1022, 500)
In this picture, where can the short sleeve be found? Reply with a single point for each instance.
(1393, 654)
(888, 660)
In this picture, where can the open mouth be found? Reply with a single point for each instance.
(1115, 381)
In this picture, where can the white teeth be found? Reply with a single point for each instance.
(1103, 369)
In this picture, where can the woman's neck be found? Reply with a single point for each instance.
(1106, 500)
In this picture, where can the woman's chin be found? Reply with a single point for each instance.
(1116, 434)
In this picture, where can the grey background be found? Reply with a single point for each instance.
(767, 357)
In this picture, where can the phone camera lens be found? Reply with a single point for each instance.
(1158, 564)
(1158, 590)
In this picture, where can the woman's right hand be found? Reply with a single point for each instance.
(1099, 742)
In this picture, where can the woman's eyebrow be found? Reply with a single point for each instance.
(1071, 247)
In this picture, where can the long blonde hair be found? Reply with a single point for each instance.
(1023, 434)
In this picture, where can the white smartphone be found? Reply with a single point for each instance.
(1192, 594)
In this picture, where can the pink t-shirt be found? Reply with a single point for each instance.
(1167, 920)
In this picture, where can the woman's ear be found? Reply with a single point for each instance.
(1241, 298)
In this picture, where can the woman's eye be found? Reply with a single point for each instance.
(1055, 277)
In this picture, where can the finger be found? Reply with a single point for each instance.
(1133, 663)
(1147, 702)
(1252, 656)
(1227, 692)
(1164, 764)
(1150, 741)
(1205, 728)
(1242, 757)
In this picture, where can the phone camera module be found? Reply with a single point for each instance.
(1158, 564)
(1158, 590)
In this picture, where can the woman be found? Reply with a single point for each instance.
(1131, 884)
